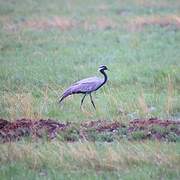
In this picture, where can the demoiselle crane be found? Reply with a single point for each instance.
(86, 86)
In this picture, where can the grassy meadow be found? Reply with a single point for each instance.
(47, 45)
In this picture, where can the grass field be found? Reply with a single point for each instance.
(47, 45)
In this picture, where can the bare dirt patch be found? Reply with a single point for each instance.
(103, 7)
(101, 130)
(105, 23)
(101, 23)
(154, 3)
(56, 22)
(61, 23)
(15, 130)
(139, 23)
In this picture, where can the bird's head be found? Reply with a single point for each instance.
(102, 68)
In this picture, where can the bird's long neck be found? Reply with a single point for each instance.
(105, 76)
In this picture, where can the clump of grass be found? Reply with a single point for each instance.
(118, 156)
(106, 137)
(20, 105)
(173, 137)
(159, 130)
(170, 94)
(142, 103)
(138, 135)
(70, 134)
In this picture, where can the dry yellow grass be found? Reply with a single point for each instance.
(123, 155)
(170, 93)
(142, 103)
(20, 105)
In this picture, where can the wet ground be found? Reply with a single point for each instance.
(100, 130)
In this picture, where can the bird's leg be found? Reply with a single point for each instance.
(82, 100)
(92, 101)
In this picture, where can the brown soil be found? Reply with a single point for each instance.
(105, 23)
(56, 22)
(137, 129)
(101, 23)
(138, 23)
(10, 131)
(61, 23)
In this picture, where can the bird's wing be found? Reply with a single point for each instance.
(87, 85)
(83, 86)
(91, 79)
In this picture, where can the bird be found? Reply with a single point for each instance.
(86, 86)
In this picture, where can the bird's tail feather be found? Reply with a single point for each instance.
(65, 94)
(61, 99)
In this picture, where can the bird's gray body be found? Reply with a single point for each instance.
(86, 86)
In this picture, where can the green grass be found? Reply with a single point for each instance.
(124, 160)
(39, 61)
(42, 62)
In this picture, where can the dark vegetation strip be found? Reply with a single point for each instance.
(101, 130)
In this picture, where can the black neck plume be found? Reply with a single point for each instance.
(105, 76)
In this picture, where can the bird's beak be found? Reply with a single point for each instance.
(108, 69)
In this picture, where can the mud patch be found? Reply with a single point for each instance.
(62, 23)
(139, 23)
(155, 4)
(101, 23)
(11, 131)
(103, 7)
(56, 22)
(105, 23)
(105, 131)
